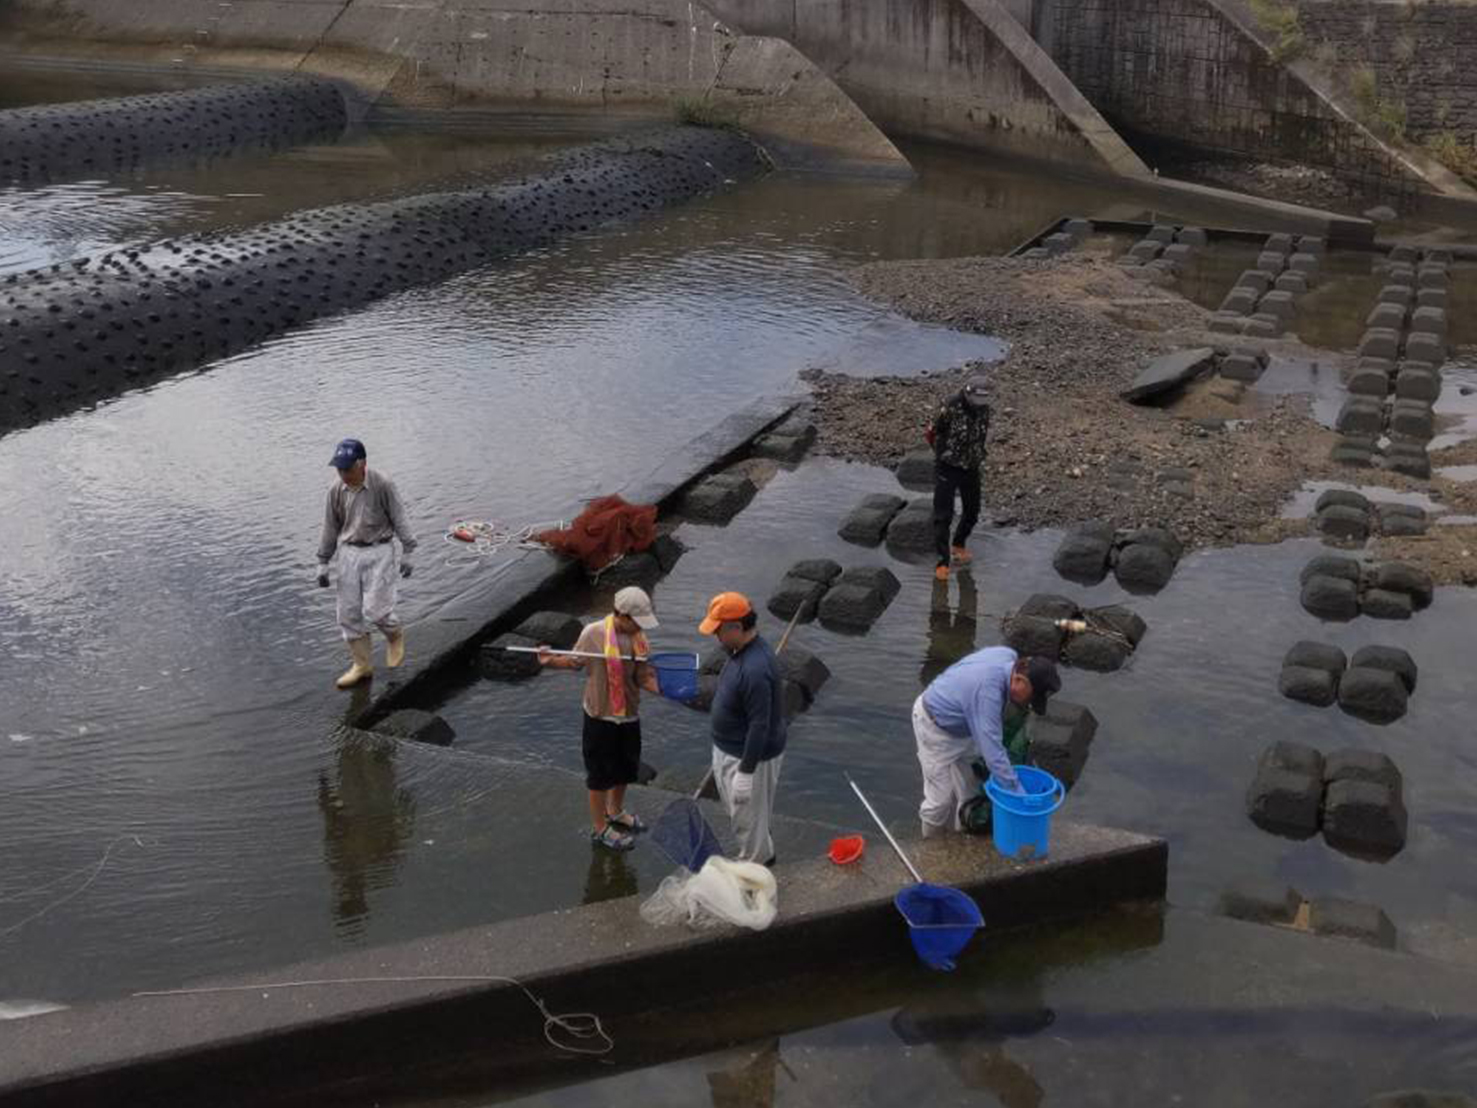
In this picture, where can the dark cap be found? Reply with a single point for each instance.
(976, 391)
(1045, 680)
(347, 453)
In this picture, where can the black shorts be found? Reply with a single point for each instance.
(612, 753)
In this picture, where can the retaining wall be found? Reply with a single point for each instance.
(106, 324)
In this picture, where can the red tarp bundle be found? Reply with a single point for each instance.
(604, 531)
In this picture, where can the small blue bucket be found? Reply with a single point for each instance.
(676, 675)
(941, 921)
(1022, 822)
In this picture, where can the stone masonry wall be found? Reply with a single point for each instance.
(1184, 71)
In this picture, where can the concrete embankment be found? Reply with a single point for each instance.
(255, 1043)
(99, 138)
(129, 317)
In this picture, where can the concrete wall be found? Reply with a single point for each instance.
(623, 58)
(1192, 71)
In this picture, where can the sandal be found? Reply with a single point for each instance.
(627, 821)
(612, 839)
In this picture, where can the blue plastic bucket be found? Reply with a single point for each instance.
(1021, 823)
(676, 675)
(941, 921)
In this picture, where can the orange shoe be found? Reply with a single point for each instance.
(941, 573)
(960, 555)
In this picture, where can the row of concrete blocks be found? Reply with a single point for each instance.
(1114, 632)
(1281, 905)
(1163, 252)
(1244, 363)
(1339, 589)
(1370, 417)
(1399, 455)
(1405, 379)
(1355, 797)
(1418, 344)
(1143, 559)
(1349, 516)
(1375, 686)
(906, 526)
(848, 601)
(1072, 235)
(1263, 300)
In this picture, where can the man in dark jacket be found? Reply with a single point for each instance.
(748, 722)
(958, 435)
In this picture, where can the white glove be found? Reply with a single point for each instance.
(742, 788)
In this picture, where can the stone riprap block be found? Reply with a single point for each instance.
(873, 577)
(643, 570)
(1362, 765)
(1344, 498)
(1332, 565)
(1310, 686)
(1278, 303)
(1142, 568)
(1242, 301)
(1161, 232)
(1311, 244)
(1033, 635)
(911, 530)
(717, 498)
(804, 669)
(1374, 383)
(237, 289)
(1228, 323)
(1061, 740)
(1169, 372)
(1380, 342)
(1385, 315)
(1353, 450)
(417, 726)
(1179, 253)
(1432, 277)
(1120, 620)
(1347, 919)
(1259, 900)
(816, 569)
(1383, 604)
(1078, 228)
(1330, 598)
(1083, 553)
(1400, 296)
(497, 664)
(1414, 419)
(1279, 243)
(1431, 298)
(1257, 279)
(1422, 346)
(793, 700)
(852, 609)
(1306, 264)
(1286, 792)
(1242, 367)
(1192, 236)
(668, 551)
(1048, 605)
(1430, 320)
(1392, 659)
(1295, 284)
(1402, 254)
(1037, 254)
(556, 629)
(1092, 651)
(1437, 255)
(1417, 384)
(1059, 243)
(1145, 250)
(1264, 325)
(1403, 519)
(1271, 262)
(1361, 416)
(789, 449)
(1401, 274)
(1402, 577)
(101, 138)
(866, 524)
(1344, 523)
(796, 594)
(1409, 458)
(916, 471)
(1373, 695)
(1317, 655)
(1128, 261)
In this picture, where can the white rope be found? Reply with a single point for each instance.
(577, 1025)
(96, 870)
(477, 539)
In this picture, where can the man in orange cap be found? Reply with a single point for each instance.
(748, 724)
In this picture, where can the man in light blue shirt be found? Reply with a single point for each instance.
(961, 717)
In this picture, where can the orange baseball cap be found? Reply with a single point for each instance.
(724, 607)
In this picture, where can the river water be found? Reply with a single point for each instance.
(176, 799)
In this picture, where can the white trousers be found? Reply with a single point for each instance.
(751, 819)
(368, 586)
(947, 779)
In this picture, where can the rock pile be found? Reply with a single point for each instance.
(1142, 559)
(1112, 634)
(1338, 588)
(1375, 686)
(1262, 303)
(1355, 797)
(1163, 253)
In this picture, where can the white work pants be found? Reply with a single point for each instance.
(750, 819)
(947, 779)
(368, 580)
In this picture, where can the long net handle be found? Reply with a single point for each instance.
(918, 877)
(566, 653)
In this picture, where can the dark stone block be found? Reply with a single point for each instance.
(1389, 658)
(1382, 604)
(667, 550)
(1046, 605)
(1348, 919)
(816, 569)
(1096, 652)
(1361, 415)
(1083, 554)
(868, 522)
(793, 594)
(1352, 451)
(804, 669)
(1060, 740)
(1341, 522)
(873, 577)
(793, 700)
(1376, 695)
(1418, 384)
(783, 448)
(852, 608)
(912, 528)
(1317, 655)
(500, 665)
(1120, 619)
(1362, 765)
(1169, 371)
(417, 726)
(1414, 419)
(1331, 598)
(1370, 382)
(1317, 687)
(1241, 367)
(1143, 568)
(1284, 802)
(1294, 757)
(1410, 459)
(718, 498)
(642, 570)
(1033, 635)
(1331, 565)
(1403, 523)
(1422, 346)
(1260, 901)
(1401, 577)
(1160, 537)
(1344, 498)
(556, 629)
(915, 471)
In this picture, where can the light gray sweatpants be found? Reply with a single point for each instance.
(368, 586)
(750, 820)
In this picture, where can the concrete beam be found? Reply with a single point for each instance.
(255, 1042)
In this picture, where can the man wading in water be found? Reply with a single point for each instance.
(957, 436)
(362, 516)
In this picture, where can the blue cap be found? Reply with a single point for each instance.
(347, 453)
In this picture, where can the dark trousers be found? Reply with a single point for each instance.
(947, 481)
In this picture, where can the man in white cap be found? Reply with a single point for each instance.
(611, 741)
(361, 518)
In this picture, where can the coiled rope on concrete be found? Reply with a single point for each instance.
(477, 539)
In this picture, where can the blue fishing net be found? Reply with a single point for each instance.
(683, 835)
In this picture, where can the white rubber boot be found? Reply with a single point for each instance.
(361, 651)
(395, 647)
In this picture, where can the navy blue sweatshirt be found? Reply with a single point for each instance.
(748, 708)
